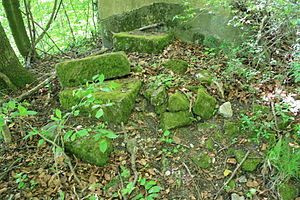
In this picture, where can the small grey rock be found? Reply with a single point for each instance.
(234, 196)
(225, 110)
(243, 179)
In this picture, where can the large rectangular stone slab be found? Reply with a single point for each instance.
(77, 72)
(141, 42)
(122, 96)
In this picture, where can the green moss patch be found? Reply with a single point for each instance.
(88, 150)
(251, 163)
(232, 128)
(204, 105)
(178, 102)
(137, 42)
(77, 72)
(288, 192)
(202, 160)
(177, 66)
(170, 120)
(123, 99)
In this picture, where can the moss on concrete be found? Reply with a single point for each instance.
(88, 150)
(204, 105)
(137, 18)
(140, 42)
(170, 120)
(232, 128)
(178, 102)
(177, 66)
(123, 99)
(77, 72)
(288, 191)
(202, 160)
(251, 163)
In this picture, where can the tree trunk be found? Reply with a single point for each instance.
(16, 23)
(12, 74)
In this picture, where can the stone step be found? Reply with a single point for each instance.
(76, 72)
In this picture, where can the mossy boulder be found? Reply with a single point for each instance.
(158, 97)
(288, 191)
(204, 105)
(141, 42)
(252, 161)
(122, 97)
(177, 66)
(202, 160)
(170, 120)
(178, 102)
(88, 150)
(232, 128)
(76, 72)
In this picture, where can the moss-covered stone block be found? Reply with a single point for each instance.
(141, 42)
(177, 66)
(288, 191)
(88, 149)
(178, 102)
(202, 160)
(76, 72)
(232, 128)
(204, 105)
(170, 120)
(252, 161)
(158, 97)
(122, 97)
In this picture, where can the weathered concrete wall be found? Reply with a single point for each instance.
(127, 15)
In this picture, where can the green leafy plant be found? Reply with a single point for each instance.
(88, 99)
(285, 159)
(188, 13)
(164, 80)
(166, 138)
(21, 179)
(251, 193)
(12, 111)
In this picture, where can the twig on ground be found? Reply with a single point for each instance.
(232, 175)
(39, 86)
(11, 167)
(193, 181)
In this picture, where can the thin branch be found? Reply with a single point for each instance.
(49, 23)
(42, 84)
(232, 175)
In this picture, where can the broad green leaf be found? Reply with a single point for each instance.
(149, 184)
(167, 133)
(143, 181)
(55, 119)
(138, 197)
(2, 122)
(58, 113)
(76, 113)
(105, 89)
(73, 137)
(22, 110)
(103, 146)
(41, 141)
(99, 113)
(82, 133)
(155, 189)
(68, 134)
(101, 78)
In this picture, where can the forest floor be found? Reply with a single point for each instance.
(31, 172)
